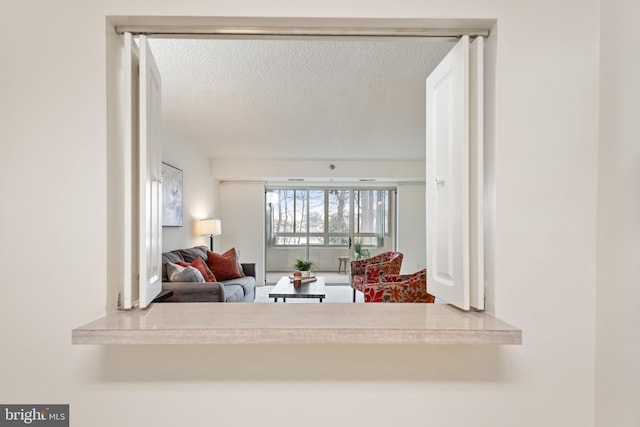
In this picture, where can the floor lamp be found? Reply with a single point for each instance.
(211, 228)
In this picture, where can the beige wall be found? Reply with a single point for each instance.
(197, 194)
(54, 229)
(412, 226)
(242, 214)
(618, 290)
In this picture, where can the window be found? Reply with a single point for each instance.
(328, 217)
(372, 216)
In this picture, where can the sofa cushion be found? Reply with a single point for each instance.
(174, 257)
(224, 266)
(202, 267)
(233, 293)
(178, 273)
(190, 255)
(248, 285)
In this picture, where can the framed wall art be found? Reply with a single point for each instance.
(171, 196)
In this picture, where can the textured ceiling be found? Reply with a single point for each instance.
(281, 99)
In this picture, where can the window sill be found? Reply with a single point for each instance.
(215, 323)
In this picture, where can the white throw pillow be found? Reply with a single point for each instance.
(240, 269)
(178, 273)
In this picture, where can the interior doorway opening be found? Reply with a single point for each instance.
(113, 248)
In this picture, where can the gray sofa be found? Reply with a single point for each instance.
(242, 289)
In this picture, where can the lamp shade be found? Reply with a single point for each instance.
(210, 227)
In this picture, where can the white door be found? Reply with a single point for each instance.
(448, 181)
(476, 173)
(131, 65)
(150, 178)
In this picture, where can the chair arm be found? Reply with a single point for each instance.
(358, 282)
(383, 292)
(393, 277)
(412, 290)
(388, 277)
(358, 266)
(373, 271)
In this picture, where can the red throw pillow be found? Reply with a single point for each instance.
(224, 266)
(202, 268)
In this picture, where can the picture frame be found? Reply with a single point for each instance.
(171, 196)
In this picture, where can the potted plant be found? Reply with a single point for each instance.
(304, 266)
(360, 252)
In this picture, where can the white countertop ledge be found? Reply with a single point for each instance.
(216, 323)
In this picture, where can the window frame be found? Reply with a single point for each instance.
(327, 235)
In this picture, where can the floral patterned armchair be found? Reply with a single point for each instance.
(399, 288)
(365, 271)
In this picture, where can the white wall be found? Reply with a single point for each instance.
(318, 170)
(412, 227)
(53, 170)
(242, 215)
(618, 290)
(197, 194)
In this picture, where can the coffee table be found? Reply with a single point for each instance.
(284, 289)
